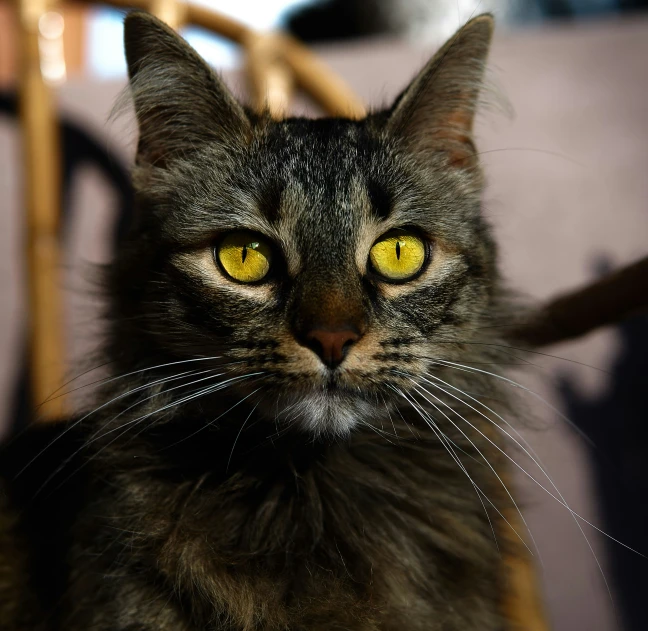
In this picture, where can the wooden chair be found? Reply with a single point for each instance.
(276, 66)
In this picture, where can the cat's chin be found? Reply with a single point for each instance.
(329, 413)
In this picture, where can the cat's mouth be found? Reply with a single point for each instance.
(331, 407)
(333, 386)
(335, 411)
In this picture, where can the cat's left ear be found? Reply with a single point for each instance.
(435, 113)
(179, 100)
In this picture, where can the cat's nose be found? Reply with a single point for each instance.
(331, 346)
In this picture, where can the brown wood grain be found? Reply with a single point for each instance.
(610, 300)
(523, 604)
(8, 46)
(74, 40)
(270, 79)
(42, 195)
(310, 73)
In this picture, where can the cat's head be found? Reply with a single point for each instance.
(326, 263)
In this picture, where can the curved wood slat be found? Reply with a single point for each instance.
(609, 300)
(171, 12)
(310, 73)
(315, 78)
(269, 77)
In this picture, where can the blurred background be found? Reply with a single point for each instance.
(567, 196)
(95, 34)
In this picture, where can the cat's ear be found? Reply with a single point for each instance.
(435, 112)
(180, 103)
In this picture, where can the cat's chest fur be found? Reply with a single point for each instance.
(364, 535)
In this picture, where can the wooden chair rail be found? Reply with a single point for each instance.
(616, 296)
(309, 73)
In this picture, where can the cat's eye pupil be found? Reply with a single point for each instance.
(398, 255)
(244, 258)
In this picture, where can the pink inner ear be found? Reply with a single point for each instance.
(435, 113)
(454, 138)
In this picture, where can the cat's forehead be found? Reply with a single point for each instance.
(326, 169)
(317, 153)
(319, 140)
(327, 181)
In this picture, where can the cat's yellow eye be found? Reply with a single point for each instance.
(245, 256)
(398, 255)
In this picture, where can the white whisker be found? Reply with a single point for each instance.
(418, 388)
(448, 445)
(162, 393)
(208, 390)
(107, 380)
(229, 460)
(83, 418)
(515, 384)
(561, 501)
(128, 426)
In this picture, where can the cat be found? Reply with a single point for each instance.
(289, 437)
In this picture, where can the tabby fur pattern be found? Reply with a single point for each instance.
(226, 479)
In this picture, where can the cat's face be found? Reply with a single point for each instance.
(329, 260)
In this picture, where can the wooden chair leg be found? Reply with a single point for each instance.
(270, 79)
(522, 604)
(42, 182)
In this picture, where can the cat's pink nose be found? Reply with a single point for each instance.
(331, 346)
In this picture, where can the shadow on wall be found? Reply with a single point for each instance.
(617, 423)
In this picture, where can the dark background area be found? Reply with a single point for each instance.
(334, 20)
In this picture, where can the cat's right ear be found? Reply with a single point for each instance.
(180, 103)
